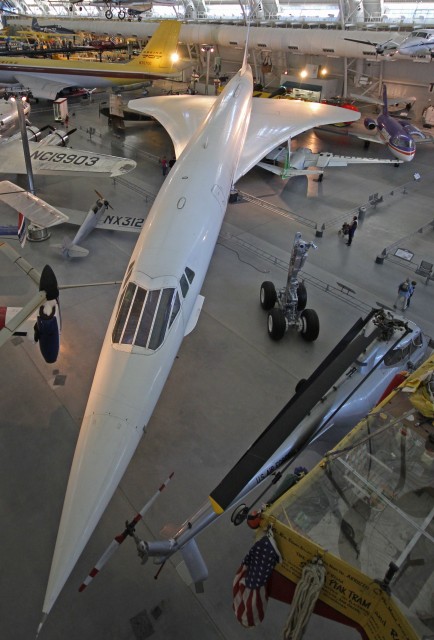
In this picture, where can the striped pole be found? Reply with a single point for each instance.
(118, 540)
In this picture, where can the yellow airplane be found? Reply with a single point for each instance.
(45, 77)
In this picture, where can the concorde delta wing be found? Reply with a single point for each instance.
(272, 122)
(40, 86)
(181, 116)
(51, 159)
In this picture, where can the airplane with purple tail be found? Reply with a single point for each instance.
(398, 135)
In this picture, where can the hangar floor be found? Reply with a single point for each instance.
(227, 384)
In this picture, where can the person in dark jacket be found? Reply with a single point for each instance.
(352, 230)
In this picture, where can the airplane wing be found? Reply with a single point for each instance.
(315, 163)
(110, 221)
(36, 210)
(17, 320)
(369, 137)
(51, 159)
(180, 115)
(415, 132)
(272, 122)
(41, 87)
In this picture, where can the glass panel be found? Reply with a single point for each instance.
(190, 274)
(184, 285)
(147, 318)
(371, 503)
(133, 320)
(124, 308)
(161, 319)
(175, 309)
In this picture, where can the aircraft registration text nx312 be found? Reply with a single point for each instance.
(159, 301)
(45, 77)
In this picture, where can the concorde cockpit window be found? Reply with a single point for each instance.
(404, 352)
(190, 274)
(184, 285)
(161, 318)
(144, 316)
(124, 309)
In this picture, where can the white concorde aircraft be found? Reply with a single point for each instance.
(159, 301)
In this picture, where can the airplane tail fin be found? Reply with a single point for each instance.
(18, 231)
(248, 15)
(157, 56)
(35, 24)
(385, 106)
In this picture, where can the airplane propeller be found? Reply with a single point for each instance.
(103, 200)
(118, 540)
(58, 136)
(381, 48)
(47, 329)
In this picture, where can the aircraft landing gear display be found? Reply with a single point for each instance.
(287, 306)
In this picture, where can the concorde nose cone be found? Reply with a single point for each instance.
(104, 449)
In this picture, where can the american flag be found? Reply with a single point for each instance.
(250, 590)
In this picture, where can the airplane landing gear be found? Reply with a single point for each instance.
(291, 300)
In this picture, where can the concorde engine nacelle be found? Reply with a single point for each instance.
(370, 124)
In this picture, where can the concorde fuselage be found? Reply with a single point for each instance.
(155, 303)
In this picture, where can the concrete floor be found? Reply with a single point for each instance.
(227, 384)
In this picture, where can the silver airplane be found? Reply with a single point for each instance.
(418, 43)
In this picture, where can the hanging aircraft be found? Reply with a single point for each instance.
(50, 28)
(125, 8)
(159, 301)
(47, 159)
(39, 320)
(400, 136)
(45, 77)
(418, 43)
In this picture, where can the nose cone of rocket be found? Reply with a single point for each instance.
(104, 449)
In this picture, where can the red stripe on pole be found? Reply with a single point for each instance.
(3, 311)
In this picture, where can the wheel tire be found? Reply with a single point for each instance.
(276, 324)
(109, 14)
(302, 296)
(309, 325)
(267, 295)
(122, 15)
